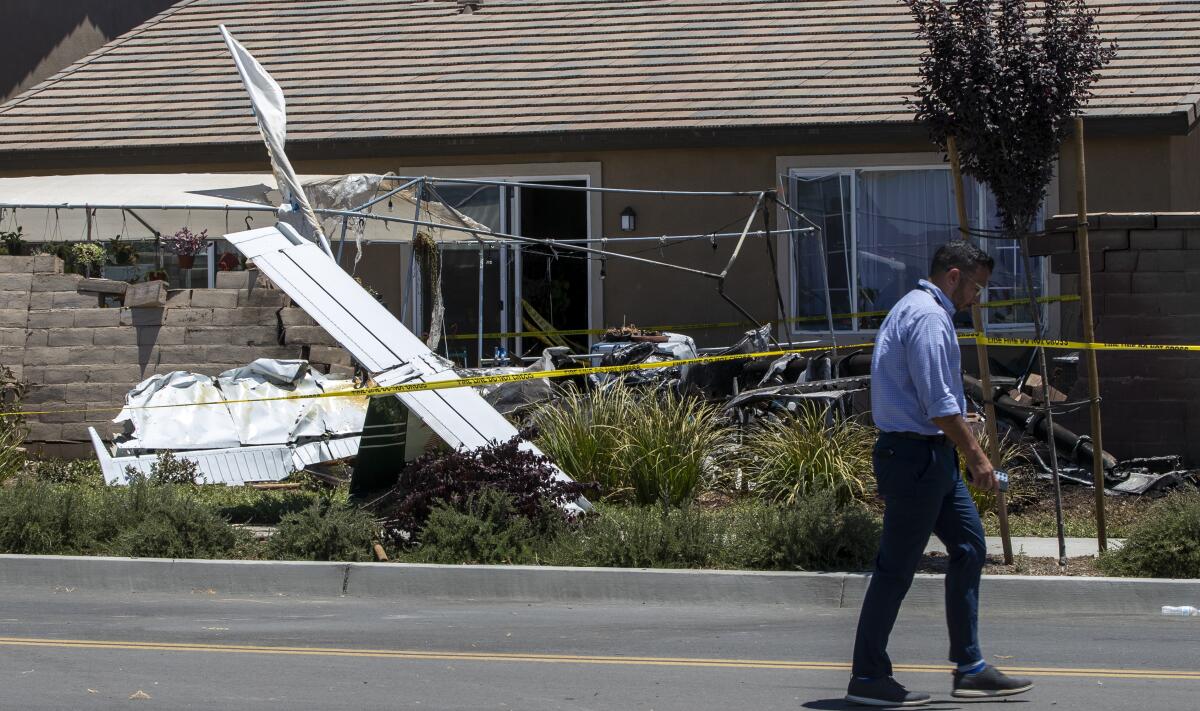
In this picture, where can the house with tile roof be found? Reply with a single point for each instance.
(685, 95)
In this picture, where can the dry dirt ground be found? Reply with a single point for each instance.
(1022, 565)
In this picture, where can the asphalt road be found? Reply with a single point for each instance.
(64, 649)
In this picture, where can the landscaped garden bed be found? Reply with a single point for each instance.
(674, 485)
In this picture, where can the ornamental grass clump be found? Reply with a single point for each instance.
(797, 456)
(1013, 459)
(583, 432)
(671, 445)
(640, 446)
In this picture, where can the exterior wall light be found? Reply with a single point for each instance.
(628, 220)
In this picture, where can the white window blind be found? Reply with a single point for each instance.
(880, 228)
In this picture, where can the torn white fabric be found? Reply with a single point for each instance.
(234, 424)
(205, 427)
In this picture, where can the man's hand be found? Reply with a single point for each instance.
(979, 467)
(983, 475)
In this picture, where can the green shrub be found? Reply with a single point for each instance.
(326, 530)
(12, 426)
(38, 517)
(89, 256)
(650, 447)
(798, 456)
(84, 472)
(817, 533)
(640, 537)
(168, 470)
(168, 521)
(247, 505)
(13, 241)
(1163, 544)
(487, 529)
(455, 477)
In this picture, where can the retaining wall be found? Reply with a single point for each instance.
(1146, 289)
(74, 353)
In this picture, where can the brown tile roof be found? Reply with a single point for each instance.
(376, 69)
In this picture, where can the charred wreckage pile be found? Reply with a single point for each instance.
(838, 380)
(834, 380)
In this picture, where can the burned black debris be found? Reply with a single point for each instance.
(1020, 414)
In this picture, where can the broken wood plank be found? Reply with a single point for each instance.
(1033, 388)
(150, 294)
(101, 286)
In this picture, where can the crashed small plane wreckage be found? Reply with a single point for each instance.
(308, 273)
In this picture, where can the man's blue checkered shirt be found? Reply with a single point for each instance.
(916, 370)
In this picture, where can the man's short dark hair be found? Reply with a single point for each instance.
(960, 254)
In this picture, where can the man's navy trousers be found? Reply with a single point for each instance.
(923, 492)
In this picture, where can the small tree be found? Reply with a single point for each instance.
(1006, 80)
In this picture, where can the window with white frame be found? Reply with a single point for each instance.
(880, 228)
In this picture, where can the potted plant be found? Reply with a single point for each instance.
(186, 245)
(13, 242)
(123, 258)
(88, 256)
(228, 262)
(122, 254)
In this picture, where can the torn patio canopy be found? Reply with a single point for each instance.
(220, 203)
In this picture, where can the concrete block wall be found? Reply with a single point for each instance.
(1146, 289)
(75, 354)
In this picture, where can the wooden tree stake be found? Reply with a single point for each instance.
(981, 350)
(1089, 334)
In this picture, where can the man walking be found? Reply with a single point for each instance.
(918, 404)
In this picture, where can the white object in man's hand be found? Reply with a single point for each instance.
(983, 475)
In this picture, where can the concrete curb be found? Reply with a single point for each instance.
(555, 585)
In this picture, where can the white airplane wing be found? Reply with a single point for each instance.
(393, 355)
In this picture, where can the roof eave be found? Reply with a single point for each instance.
(902, 133)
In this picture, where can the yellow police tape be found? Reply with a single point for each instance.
(1078, 345)
(734, 324)
(482, 380)
(475, 381)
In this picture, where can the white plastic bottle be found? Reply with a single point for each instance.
(1180, 610)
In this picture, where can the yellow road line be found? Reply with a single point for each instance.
(568, 658)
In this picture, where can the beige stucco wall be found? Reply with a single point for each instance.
(1129, 174)
(1124, 174)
